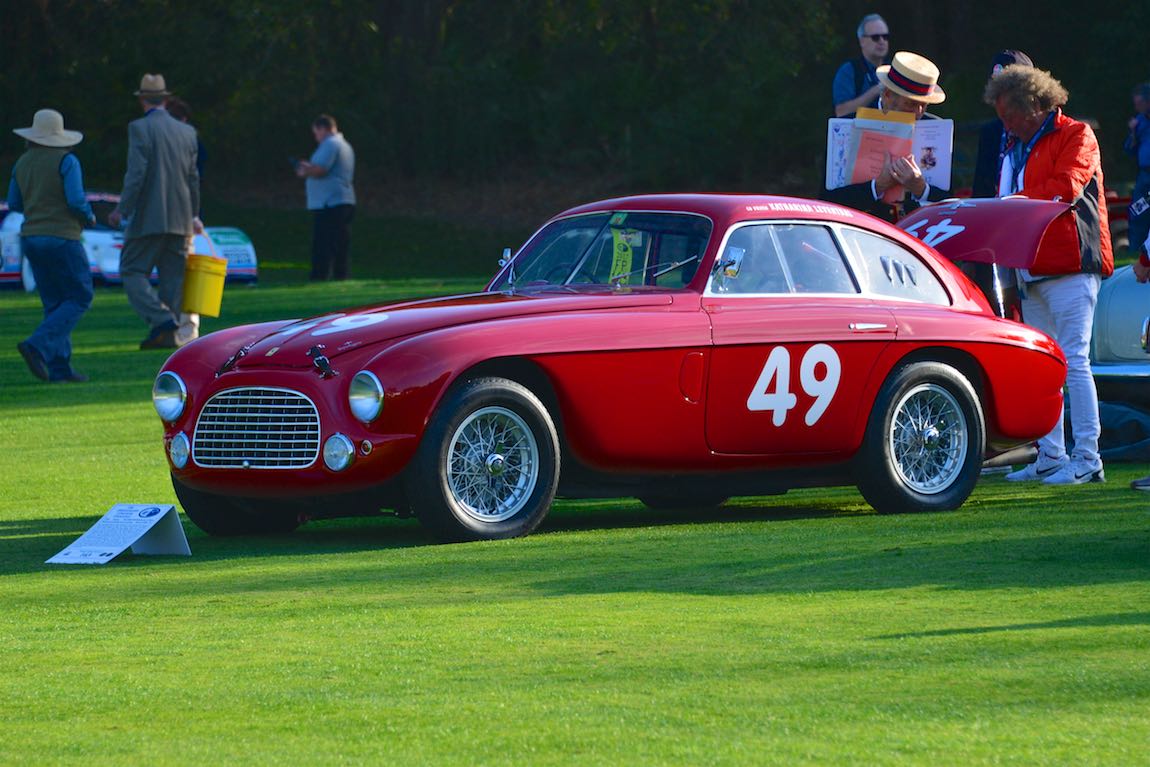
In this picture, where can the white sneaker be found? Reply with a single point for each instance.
(1077, 472)
(1042, 468)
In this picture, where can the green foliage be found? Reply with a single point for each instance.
(707, 94)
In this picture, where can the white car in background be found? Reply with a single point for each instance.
(103, 243)
(1120, 347)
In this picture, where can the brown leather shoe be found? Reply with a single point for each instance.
(163, 337)
(34, 360)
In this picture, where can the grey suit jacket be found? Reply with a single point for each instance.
(161, 186)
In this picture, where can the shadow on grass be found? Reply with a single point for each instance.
(747, 550)
(25, 544)
(1090, 621)
(624, 514)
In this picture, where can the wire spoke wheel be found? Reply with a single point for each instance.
(928, 438)
(492, 464)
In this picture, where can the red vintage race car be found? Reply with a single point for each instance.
(681, 349)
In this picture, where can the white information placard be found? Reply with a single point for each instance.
(148, 528)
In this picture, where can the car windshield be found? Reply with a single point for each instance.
(616, 249)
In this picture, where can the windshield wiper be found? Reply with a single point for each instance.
(669, 268)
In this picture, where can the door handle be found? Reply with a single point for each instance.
(868, 326)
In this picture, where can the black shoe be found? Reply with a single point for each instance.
(34, 360)
(72, 377)
(162, 337)
(1141, 484)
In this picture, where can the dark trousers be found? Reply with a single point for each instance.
(1140, 224)
(64, 281)
(331, 243)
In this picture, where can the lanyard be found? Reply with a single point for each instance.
(1018, 159)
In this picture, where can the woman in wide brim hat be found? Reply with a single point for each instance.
(47, 129)
(912, 76)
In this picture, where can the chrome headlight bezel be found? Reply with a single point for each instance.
(365, 396)
(169, 396)
(338, 452)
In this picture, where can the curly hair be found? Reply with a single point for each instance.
(1027, 90)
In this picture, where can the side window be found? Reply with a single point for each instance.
(888, 269)
(813, 259)
(754, 263)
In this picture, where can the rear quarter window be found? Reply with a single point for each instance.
(885, 268)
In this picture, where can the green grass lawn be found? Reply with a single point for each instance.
(794, 629)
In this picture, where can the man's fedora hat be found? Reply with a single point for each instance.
(48, 130)
(913, 76)
(152, 85)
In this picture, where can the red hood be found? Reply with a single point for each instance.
(342, 332)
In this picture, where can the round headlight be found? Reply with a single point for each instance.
(169, 395)
(178, 450)
(365, 396)
(338, 452)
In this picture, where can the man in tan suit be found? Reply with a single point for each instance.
(159, 203)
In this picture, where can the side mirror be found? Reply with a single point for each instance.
(733, 264)
(506, 257)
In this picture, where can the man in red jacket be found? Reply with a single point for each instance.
(1049, 156)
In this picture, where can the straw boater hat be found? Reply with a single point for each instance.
(152, 85)
(912, 76)
(48, 130)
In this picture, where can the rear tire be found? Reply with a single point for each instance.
(221, 515)
(488, 465)
(924, 442)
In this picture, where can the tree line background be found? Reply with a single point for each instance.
(635, 94)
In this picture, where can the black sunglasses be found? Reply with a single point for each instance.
(876, 38)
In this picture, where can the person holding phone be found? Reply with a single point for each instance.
(329, 177)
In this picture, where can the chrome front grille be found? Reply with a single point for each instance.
(257, 428)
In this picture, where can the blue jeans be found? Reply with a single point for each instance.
(65, 283)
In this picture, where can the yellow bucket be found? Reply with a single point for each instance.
(204, 284)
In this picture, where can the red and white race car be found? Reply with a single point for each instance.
(681, 349)
(102, 244)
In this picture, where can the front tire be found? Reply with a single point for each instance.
(220, 515)
(924, 442)
(488, 465)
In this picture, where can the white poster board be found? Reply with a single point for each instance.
(147, 528)
(932, 145)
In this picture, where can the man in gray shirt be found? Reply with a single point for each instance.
(159, 203)
(331, 198)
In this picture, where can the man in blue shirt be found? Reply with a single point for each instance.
(856, 82)
(1138, 146)
(329, 175)
(48, 188)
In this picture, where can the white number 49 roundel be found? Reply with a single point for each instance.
(773, 389)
